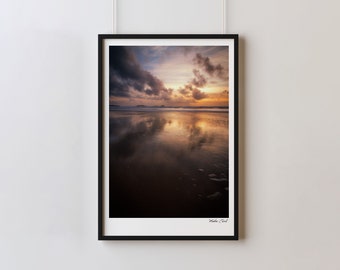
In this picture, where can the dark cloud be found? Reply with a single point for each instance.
(185, 91)
(190, 90)
(126, 74)
(166, 94)
(208, 67)
(198, 94)
(199, 80)
(129, 79)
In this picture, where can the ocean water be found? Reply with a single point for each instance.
(168, 163)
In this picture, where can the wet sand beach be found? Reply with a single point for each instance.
(168, 164)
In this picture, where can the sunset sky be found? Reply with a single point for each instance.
(169, 75)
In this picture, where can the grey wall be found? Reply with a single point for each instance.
(290, 173)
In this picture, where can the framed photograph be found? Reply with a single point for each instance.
(168, 137)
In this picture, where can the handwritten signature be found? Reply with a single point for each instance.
(218, 220)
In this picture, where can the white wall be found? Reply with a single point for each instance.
(290, 176)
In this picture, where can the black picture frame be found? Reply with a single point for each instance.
(105, 41)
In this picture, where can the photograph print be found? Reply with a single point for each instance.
(167, 140)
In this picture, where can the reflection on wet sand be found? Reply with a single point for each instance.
(168, 164)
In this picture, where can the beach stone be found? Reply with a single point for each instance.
(200, 170)
(218, 179)
(214, 196)
(212, 175)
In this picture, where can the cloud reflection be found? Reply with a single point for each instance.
(127, 142)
